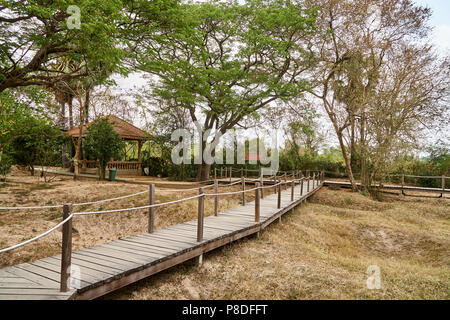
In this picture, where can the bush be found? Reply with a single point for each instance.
(5, 166)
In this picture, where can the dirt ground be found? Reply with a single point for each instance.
(320, 251)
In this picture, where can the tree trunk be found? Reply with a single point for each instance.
(347, 162)
(102, 172)
(70, 112)
(203, 172)
(362, 147)
(86, 105)
(352, 144)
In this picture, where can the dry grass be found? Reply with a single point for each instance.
(322, 251)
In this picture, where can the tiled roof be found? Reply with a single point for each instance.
(125, 129)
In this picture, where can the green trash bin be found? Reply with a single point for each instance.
(112, 174)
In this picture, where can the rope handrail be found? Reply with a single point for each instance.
(230, 193)
(136, 208)
(280, 182)
(37, 237)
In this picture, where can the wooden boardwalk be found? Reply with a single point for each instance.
(110, 266)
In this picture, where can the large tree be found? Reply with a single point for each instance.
(223, 62)
(36, 36)
(358, 39)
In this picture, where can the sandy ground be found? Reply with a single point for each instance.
(320, 251)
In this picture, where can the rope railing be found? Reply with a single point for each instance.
(135, 208)
(37, 237)
(68, 214)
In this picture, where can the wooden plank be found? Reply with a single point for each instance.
(108, 252)
(162, 240)
(105, 261)
(215, 226)
(166, 235)
(37, 278)
(79, 262)
(155, 243)
(47, 273)
(143, 247)
(33, 291)
(144, 243)
(86, 274)
(56, 269)
(32, 297)
(209, 233)
(14, 280)
(134, 252)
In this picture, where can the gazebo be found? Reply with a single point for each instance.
(128, 132)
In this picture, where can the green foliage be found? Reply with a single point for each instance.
(5, 165)
(102, 143)
(38, 144)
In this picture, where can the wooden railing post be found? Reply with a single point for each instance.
(66, 255)
(243, 190)
(443, 185)
(221, 172)
(292, 189)
(262, 184)
(257, 203)
(285, 180)
(274, 183)
(201, 208)
(215, 173)
(242, 172)
(314, 180)
(279, 195)
(403, 183)
(301, 186)
(216, 197)
(231, 173)
(307, 184)
(151, 211)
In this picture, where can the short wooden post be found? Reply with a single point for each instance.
(262, 184)
(257, 203)
(314, 180)
(216, 197)
(292, 189)
(243, 190)
(307, 184)
(279, 196)
(151, 211)
(66, 255)
(201, 208)
(285, 180)
(443, 185)
(403, 183)
(301, 186)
